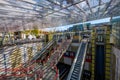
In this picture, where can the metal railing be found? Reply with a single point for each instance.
(19, 42)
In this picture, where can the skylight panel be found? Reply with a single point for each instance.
(64, 11)
(105, 1)
(31, 1)
(3, 2)
(59, 14)
(93, 3)
(94, 9)
(82, 5)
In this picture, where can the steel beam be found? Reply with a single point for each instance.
(64, 8)
(42, 6)
(89, 6)
(107, 6)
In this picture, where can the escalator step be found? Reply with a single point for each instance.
(79, 62)
(76, 74)
(76, 71)
(77, 65)
(74, 77)
(76, 68)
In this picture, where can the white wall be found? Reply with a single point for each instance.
(117, 71)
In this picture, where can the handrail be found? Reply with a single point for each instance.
(19, 42)
(43, 50)
(57, 73)
(83, 61)
(39, 54)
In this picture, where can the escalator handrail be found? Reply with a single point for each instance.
(83, 61)
(43, 49)
(39, 53)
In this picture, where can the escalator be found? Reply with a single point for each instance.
(99, 61)
(43, 50)
(77, 66)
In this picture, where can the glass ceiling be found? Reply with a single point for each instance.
(24, 14)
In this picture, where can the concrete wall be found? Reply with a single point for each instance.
(116, 52)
